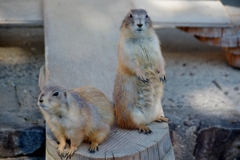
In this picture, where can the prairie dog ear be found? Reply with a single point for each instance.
(44, 87)
(130, 15)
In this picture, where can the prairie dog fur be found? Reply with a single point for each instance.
(140, 74)
(82, 114)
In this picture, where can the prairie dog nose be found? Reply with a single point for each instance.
(139, 25)
(40, 100)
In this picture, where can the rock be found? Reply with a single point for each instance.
(177, 147)
(236, 88)
(183, 145)
(25, 158)
(23, 141)
(218, 143)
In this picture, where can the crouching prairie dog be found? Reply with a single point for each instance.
(82, 114)
(140, 75)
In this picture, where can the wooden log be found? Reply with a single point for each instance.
(228, 41)
(231, 31)
(123, 145)
(223, 37)
(235, 50)
(203, 32)
(228, 38)
(211, 32)
(233, 59)
(27, 13)
(185, 13)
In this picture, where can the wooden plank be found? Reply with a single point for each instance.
(186, 13)
(21, 13)
(230, 41)
(234, 13)
(231, 31)
(235, 20)
(81, 42)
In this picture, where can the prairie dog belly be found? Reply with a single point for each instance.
(144, 51)
(144, 116)
(147, 100)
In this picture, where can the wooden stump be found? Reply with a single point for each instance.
(227, 38)
(233, 56)
(123, 144)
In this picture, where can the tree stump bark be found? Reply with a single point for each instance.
(123, 144)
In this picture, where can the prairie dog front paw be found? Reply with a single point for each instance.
(142, 77)
(162, 76)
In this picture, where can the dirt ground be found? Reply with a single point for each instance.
(202, 91)
(21, 56)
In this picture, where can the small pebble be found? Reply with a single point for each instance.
(236, 88)
(191, 74)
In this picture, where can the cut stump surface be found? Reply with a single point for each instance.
(123, 144)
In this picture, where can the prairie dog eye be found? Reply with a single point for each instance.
(130, 15)
(146, 16)
(55, 93)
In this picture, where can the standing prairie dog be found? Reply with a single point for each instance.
(81, 114)
(140, 74)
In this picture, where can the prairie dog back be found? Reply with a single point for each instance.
(82, 114)
(98, 99)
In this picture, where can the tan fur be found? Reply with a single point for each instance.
(82, 114)
(138, 88)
